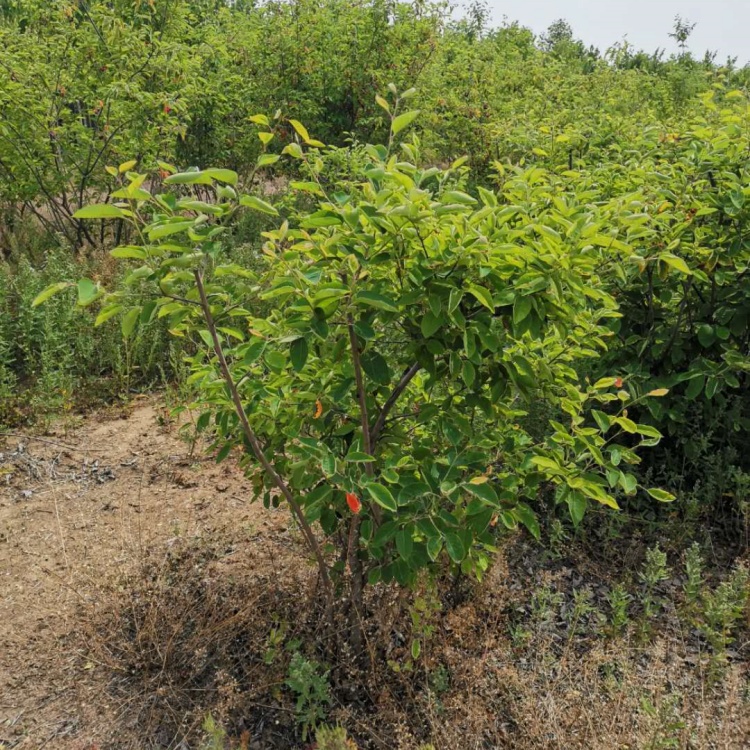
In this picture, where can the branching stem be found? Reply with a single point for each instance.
(257, 449)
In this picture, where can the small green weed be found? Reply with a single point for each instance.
(312, 691)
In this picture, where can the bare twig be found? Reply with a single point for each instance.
(406, 378)
(51, 442)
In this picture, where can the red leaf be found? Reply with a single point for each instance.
(353, 502)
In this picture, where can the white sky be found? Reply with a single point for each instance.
(722, 25)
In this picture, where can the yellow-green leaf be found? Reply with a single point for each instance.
(51, 290)
(403, 121)
(676, 262)
(483, 295)
(253, 201)
(126, 166)
(301, 130)
(99, 211)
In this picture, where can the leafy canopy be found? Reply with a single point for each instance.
(411, 324)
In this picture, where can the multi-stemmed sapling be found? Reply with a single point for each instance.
(384, 397)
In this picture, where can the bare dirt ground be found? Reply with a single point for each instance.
(79, 509)
(509, 665)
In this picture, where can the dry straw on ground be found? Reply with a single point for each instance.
(141, 589)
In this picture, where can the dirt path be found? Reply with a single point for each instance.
(80, 512)
(71, 517)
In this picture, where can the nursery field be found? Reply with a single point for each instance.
(370, 377)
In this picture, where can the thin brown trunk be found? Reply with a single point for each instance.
(356, 572)
(257, 449)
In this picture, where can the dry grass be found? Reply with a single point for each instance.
(139, 602)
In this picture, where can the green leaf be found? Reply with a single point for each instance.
(265, 160)
(376, 367)
(130, 321)
(454, 299)
(301, 130)
(627, 424)
(628, 482)
(528, 518)
(129, 251)
(328, 464)
(252, 201)
(358, 457)
(50, 291)
(224, 452)
(648, 431)
(373, 299)
(382, 103)
(706, 335)
(106, 313)
(430, 324)
(485, 492)
(404, 544)
(521, 309)
(455, 547)
(88, 291)
(403, 121)
(676, 262)
(456, 196)
(293, 150)
(382, 496)
(468, 373)
(483, 295)
(99, 211)
(298, 352)
(275, 360)
(127, 166)
(661, 495)
(233, 332)
(548, 464)
(695, 386)
(147, 312)
(307, 187)
(577, 504)
(434, 545)
(416, 649)
(165, 230)
(188, 178)
(601, 419)
(603, 383)
(222, 175)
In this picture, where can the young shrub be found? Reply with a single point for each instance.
(382, 397)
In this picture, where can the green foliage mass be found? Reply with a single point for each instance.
(382, 396)
(450, 276)
(88, 85)
(449, 326)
